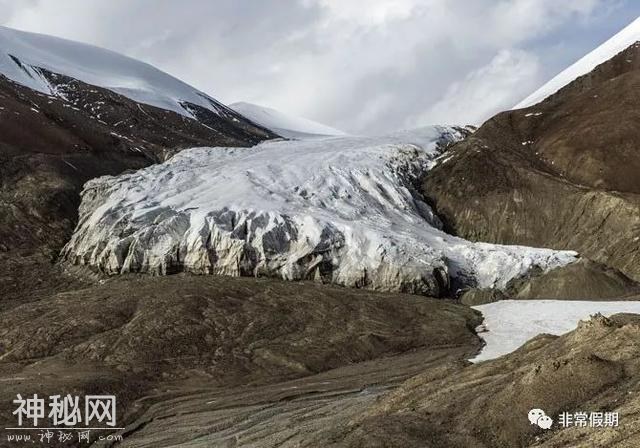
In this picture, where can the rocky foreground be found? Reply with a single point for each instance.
(214, 361)
(593, 368)
(156, 342)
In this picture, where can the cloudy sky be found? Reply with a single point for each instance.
(365, 66)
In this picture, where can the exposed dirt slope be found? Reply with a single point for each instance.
(582, 280)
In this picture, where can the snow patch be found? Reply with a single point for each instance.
(511, 323)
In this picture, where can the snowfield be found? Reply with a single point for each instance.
(282, 124)
(339, 210)
(511, 323)
(22, 54)
(621, 41)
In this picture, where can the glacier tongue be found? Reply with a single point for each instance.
(340, 210)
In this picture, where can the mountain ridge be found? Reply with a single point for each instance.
(614, 45)
(23, 54)
(57, 132)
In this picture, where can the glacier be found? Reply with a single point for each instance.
(342, 210)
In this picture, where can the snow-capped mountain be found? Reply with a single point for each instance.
(283, 124)
(36, 61)
(628, 36)
(340, 210)
(22, 54)
(562, 173)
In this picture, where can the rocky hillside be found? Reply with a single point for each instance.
(326, 367)
(176, 351)
(562, 173)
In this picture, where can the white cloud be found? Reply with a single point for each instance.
(361, 66)
(484, 91)
(374, 13)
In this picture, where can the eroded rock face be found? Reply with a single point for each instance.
(340, 210)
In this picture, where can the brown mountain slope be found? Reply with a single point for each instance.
(563, 173)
